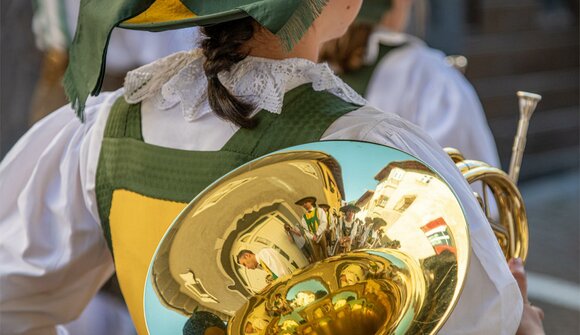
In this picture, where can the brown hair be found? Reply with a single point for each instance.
(222, 49)
(242, 253)
(346, 54)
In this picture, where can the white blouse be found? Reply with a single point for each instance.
(53, 255)
(416, 83)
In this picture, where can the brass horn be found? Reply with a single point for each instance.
(261, 265)
(510, 225)
(252, 248)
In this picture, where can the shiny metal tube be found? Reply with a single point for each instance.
(528, 102)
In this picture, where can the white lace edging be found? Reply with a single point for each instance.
(179, 78)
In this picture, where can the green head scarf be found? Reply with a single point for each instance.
(288, 19)
(372, 11)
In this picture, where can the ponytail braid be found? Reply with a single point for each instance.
(221, 49)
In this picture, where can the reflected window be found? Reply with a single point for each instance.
(262, 240)
(331, 184)
(396, 175)
(404, 203)
(282, 219)
(307, 168)
(196, 288)
(425, 179)
(382, 201)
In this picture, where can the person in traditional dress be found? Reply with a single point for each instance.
(267, 259)
(399, 73)
(314, 222)
(111, 181)
(330, 228)
(349, 226)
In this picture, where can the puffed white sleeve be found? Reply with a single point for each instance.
(323, 222)
(53, 255)
(416, 83)
(491, 302)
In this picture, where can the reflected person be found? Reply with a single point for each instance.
(314, 223)
(349, 226)
(267, 260)
(296, 236)
(330, 228)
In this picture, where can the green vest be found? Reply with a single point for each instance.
(142, 187)
(359, 80)
(312, 222)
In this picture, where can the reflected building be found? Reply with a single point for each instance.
(410, 200)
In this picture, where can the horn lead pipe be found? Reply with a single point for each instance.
(528, 102)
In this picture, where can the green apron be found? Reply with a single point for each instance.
(142, 187)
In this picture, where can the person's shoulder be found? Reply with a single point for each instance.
(365, 121)
(413, 54)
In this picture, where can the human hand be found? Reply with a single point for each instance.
(532, 316)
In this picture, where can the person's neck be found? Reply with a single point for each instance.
(267, 45)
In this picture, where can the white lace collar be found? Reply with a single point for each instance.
(179, 78)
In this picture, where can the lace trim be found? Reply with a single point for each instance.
(179, 78)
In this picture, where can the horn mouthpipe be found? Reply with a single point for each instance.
(528, 102)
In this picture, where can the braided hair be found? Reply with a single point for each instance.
(222, 49)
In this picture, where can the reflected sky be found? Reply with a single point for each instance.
(160, 320)
(360, 161)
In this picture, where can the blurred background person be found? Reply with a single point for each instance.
(399, 73)
(54, 24)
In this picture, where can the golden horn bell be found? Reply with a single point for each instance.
(264, 267)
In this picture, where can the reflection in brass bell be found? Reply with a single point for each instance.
(326, 238)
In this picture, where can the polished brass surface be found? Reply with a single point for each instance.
(506, 211)
(528, 102)
(380, 291)
(393, 261)
(457, 61)
(509, 223)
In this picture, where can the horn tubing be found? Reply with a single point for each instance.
(528, 102)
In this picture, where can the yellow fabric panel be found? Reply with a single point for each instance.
(137, 225)
(310, 214)
(162, 11)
